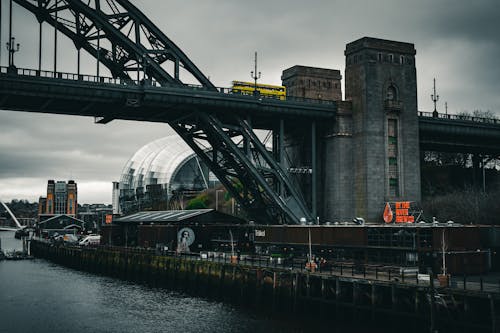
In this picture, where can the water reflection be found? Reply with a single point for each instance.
(38, 296)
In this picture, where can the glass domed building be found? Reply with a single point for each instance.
(158, 173)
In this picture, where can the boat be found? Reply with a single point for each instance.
(20, 233)
(17, 255)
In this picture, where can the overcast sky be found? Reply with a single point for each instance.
(457, 42)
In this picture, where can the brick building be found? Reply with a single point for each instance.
(62, 198)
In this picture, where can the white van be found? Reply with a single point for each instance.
(90, 240)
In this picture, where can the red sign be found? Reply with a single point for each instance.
(109, 219)
(402, 212)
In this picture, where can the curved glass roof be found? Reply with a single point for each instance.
(155, 163)
(168, 160)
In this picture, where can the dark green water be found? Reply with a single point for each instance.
(38, 296)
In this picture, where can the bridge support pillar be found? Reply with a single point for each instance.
(382, 85)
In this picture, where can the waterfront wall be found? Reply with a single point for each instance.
(278, 290)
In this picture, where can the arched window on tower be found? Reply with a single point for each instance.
(391, 93)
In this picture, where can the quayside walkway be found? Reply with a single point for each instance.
(341, 291)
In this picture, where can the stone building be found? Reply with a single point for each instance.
(370, 153)
(313, 83)
(62, 198)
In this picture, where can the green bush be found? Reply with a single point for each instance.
(200, 202)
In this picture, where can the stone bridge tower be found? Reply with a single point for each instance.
(381, 84)
(369, 154)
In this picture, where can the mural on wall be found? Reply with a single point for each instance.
(185, 237)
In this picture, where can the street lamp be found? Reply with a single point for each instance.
(435, 98)
(484, 178)
(12, 48)
(255, 75)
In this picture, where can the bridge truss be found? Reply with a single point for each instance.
(120, 37)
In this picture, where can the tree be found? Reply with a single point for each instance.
(488, 114)
(199, 202)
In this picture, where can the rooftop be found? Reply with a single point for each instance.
(381, 45)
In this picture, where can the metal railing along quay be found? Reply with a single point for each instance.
(371, 272)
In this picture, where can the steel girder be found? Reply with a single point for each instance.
(117, 34)
(246, 168)
(123, 39)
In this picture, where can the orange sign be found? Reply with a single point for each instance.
(402, 212)
(388, 213)
(109, 219)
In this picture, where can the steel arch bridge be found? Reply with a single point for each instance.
(120, 37)
(14, 218)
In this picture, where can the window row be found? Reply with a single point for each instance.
(382, 57)
(317, 84)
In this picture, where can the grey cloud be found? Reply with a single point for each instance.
(457, 42)
(477, 21)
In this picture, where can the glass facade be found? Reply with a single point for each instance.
(156, 171)
(157, 163)
(61, 197)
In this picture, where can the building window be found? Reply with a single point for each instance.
(401, 60)
(392, 155)
(391, 58)
(380, 57)
(391, 93)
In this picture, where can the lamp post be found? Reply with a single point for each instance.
(255, 75)
(435, 98)
(443, 249)
(484, 178)
(11, 45)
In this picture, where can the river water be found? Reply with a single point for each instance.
(39, 296)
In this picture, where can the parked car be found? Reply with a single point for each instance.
(90, 240)
(66, 238)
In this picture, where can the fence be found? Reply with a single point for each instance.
(382, 273)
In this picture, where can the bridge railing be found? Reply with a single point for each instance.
(145, 82)
(65, 76)
(459, 117)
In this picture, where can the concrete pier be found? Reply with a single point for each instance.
(416, 307)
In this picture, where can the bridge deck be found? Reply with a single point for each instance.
(109, 98)
(455, 133)
(83, 95)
